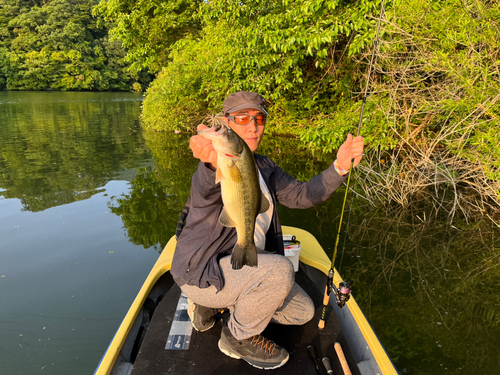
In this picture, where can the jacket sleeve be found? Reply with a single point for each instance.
(296, 194)
(204, 191)
(205, 207)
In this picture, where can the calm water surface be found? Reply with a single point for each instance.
(67, 271)
(87, 201)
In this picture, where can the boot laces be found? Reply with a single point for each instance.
(266, 345)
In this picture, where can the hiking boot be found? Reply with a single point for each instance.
(257, 350)
(202, 318)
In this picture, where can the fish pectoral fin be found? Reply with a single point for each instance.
(264, 204)
(226, 220)
(219, 176)
(234, 173)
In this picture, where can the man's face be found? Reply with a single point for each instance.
(251, 133)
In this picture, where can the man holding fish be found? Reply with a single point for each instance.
(230, 250)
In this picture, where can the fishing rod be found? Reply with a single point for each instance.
(343, 291)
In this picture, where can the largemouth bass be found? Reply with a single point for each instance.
(240, 189)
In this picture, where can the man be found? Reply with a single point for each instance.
(201, 264)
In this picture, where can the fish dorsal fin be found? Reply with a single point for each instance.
(225, 220)
(219, 176)
(264, 204)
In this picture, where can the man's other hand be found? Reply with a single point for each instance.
(350, 149)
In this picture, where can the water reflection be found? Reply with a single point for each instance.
(58, 148)
(151, 208)
(67, 273)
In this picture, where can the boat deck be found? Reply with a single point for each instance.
(204, 356)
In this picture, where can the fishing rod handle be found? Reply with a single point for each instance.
(328, 365)
(321, 323)
(326, 298)
(312, 354)
(343, 361)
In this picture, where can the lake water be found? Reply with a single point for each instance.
(88, 200)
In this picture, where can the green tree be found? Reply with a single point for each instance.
(293, 52)
(147, 29)
(3, 67)
(58, 45)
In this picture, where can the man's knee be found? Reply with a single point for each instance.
(309, 311)
(283, 271)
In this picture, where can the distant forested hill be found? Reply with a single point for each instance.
(59, 45)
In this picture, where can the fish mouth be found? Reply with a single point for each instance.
(217, 125)
(218, 128)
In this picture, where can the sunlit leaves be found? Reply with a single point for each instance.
(440, 62)
(436, 71)
(292, 52)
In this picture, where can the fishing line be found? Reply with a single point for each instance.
(343, 292)
(365, 95)
(375, 47)
(345, 234)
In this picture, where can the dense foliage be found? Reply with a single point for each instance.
(437, 64)
(438, 86)
(148, 28)
(295, 53)
(58, 45)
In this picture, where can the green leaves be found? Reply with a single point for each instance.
(148, 28)
(435, 80)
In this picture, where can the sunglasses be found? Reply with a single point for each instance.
(245, 119)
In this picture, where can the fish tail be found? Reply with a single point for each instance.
(244, 255)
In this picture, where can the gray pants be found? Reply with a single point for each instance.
(257, 296)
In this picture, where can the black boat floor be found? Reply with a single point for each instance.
(204, 356)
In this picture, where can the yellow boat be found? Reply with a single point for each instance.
(144, 341)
